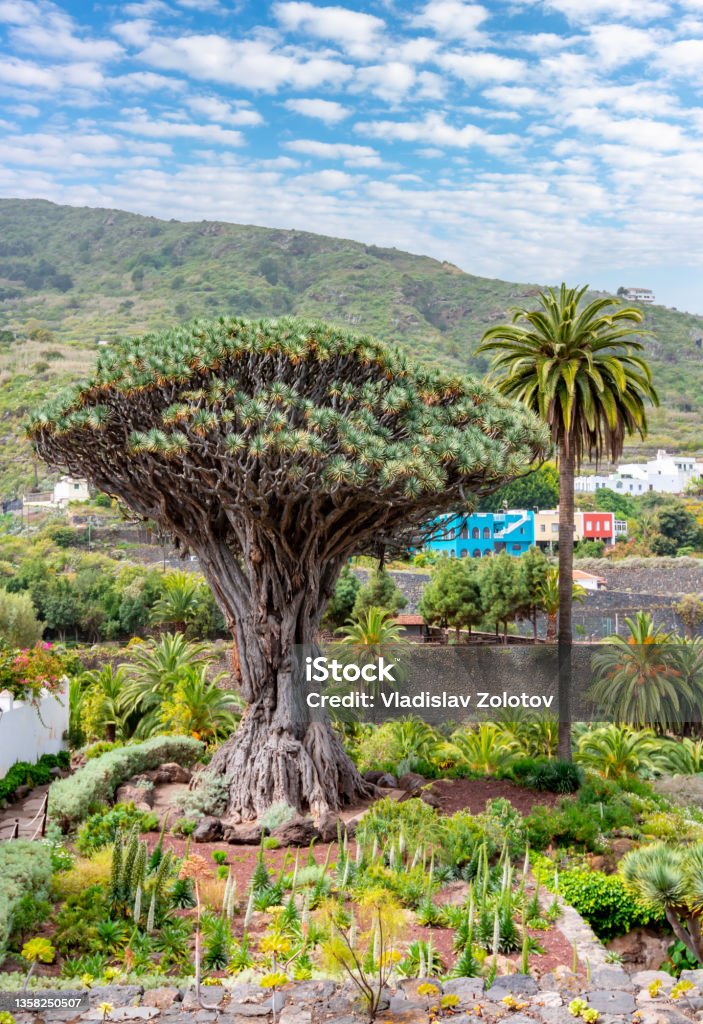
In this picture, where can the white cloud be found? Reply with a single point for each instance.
(682, 59)
(142, 124)
(453, 19)
(355, 32)
(390, 81)
(435, 131)
(483, 67)
(354, 156)
(328, 181)
(26, 74)
(56, 39)
(591, 10)
(618, 45)
(252, 64)
(18, 12)
(328, 111)
(147, 81)
(215, 109)
(134, 33)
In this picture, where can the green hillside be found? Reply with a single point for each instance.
(74, 279)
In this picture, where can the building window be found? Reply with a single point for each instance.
(516, 547)
(486, 533)
(463, 553)
(543, 528)
(475, 533)
(476, 553)
(464, 533)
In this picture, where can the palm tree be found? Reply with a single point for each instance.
(103, 703)
(643, 680)
(181, 600)
(199, 707)
(549, 597)
(156, 671)
(579, 371)
(373, 634)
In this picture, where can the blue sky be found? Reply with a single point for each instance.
(532, 140)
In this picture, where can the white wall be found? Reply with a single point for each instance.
(23, 737)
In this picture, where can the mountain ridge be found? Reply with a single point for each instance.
(75, 278)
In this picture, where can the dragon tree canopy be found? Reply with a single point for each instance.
(275, 450)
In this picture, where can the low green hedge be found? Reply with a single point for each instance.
(72, 800)
(23, 773)
(24, 867)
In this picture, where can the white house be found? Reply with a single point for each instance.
(643, 295)
(667, 474)
(67, 489)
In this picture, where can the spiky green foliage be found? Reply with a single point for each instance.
(669, 879)
(287, 405)
(648, 679)
(577, 365)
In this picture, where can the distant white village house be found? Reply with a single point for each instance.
(667, 474)
(644, 295)
(66, 490)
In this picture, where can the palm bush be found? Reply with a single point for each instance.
(617, 752)
(103, 710)
(181, 602)
(485, 750)
(154, 675)
(198, 706)
(646, 679)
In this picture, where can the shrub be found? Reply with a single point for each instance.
(101, 829)
(547, 775)
(72, 800)
(276, 815)
(19, 625)
(22, 773)
(605, 902)
(25, 867)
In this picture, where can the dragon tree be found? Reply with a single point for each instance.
(274, 451)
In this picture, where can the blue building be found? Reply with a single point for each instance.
(482, 534)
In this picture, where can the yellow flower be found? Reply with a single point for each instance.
(449, 1001)
(591, 1016)
(105, 1009)
(512, 1003)
(654, 988)
(276, 944)
(427, 989)
(38, 949)
(681, 988)
(273, 980)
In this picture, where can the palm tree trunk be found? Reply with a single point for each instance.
(566, 593)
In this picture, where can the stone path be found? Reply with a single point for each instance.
(27, 811)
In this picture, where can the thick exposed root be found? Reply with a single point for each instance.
(265, 766)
